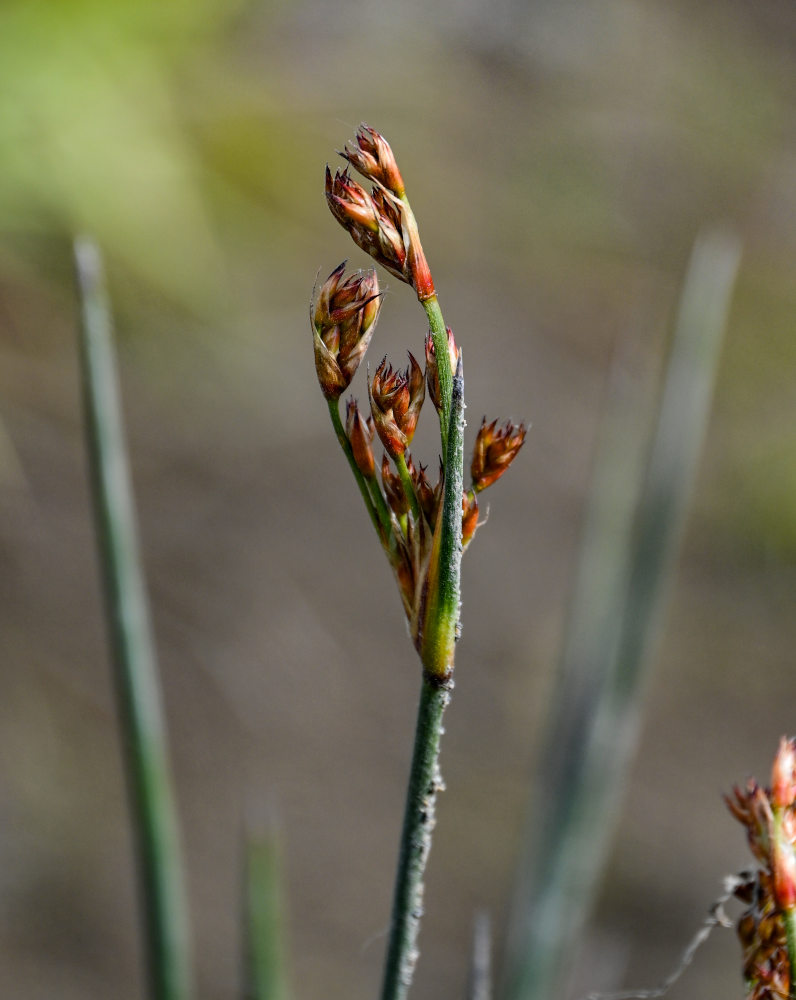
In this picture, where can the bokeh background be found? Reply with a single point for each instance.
(561, 157)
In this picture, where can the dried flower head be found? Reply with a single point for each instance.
(395, 401)
(374, 159)
(360, 434)
(374, 222)
(380, 223)
(494, 451)
(393, 489)
(343, 322)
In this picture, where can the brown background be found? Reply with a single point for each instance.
(561, 158)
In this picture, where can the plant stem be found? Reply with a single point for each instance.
(789, 919)
(439, 335)
(374, 501)
(441, 620)
(419, 818)
(408, 485)
(264, 920)
(135, 668)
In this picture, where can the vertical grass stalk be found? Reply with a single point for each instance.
(479, 984)
(266, 975)
(622, 579)
(135, 672)
(418, 825)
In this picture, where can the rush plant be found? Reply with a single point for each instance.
(423, 529)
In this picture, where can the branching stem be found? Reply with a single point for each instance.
(374, 501)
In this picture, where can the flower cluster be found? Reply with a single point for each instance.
(769, 815)
(404, 506)
(380, 222)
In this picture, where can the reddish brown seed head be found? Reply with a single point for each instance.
(343, 322)
(360, 435)
(372, 156)
(395, 401)
(494, 451)
(349, 202)
(372, 220)
(393, 489)
(427, 496)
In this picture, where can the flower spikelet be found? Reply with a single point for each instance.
(495, 449)
(343, 322)
(373, 158)
(395, 401)
(769, 816)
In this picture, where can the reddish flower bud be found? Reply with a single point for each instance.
(344, 319)
(783, 775)
(427, 497)
(432, 372)
(380, 223)
(374, 159)
(393, 489)
(495, 449)
(395, 402)
(374, 222)
(360, 434)
(469, 517)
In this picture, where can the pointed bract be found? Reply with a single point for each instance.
(374, 159)
(469, 517)
(495, 449)
(432, 372)
(360, 435)
(343, 320)
(395, 401)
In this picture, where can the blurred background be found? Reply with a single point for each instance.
(561, 157)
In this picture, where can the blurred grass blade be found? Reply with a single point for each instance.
(622, 576)
(479, 982)
(135, 671)
(266, 975)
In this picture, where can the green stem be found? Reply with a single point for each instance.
(789, 919)
(439, 335)
(441, 617)
(135, 668)
(408, 485)
(374, 501)
(419, 819)
(264, 920)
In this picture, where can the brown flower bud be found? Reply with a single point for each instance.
(495, 449)
(374, 222)
(343, 321)
(360, 434)
(395, 402)
(427, 497)
(380, 223)
(469, 517)
(374, 159)
(432, 372)
(393, 489)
